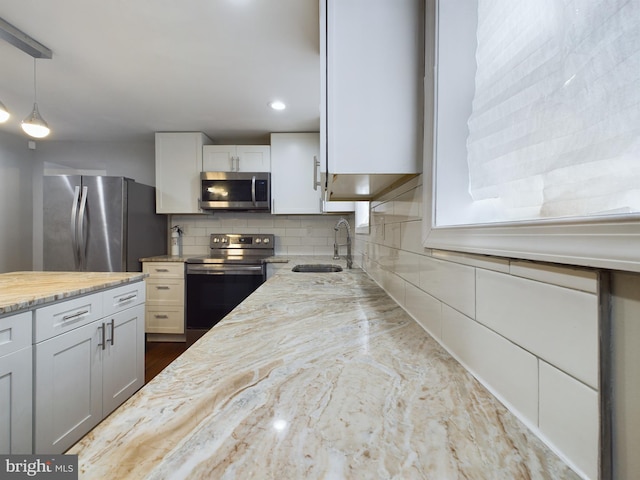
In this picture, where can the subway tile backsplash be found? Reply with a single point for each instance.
(294, 234)
(528, 331)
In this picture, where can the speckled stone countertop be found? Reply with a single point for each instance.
(315, 375)
(183, 258)
(25, 290)
(166, 258)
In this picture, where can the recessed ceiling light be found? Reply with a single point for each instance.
(277, 105)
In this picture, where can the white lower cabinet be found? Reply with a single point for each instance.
(165, 297)
(123, 358)
(68, 387)
(86, 369)
(16, 379)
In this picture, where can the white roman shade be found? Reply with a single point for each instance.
(555, 124)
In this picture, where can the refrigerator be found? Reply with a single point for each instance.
(100, 224)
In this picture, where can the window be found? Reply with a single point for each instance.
(536, 150)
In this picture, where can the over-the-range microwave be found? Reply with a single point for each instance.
(235, 191)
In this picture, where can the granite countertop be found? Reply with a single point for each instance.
(166, 258)
(183, 258)
(315, 375)
(25, 290)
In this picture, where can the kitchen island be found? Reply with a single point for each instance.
(26, 290)
(71, 351)
(315, 375)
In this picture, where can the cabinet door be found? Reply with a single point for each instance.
(253, 158)
(16, 376)
(67, 387)
(16, 402)
(219, 158)
(123, 358)
(178, 167)
(372, 53)
(294, 173)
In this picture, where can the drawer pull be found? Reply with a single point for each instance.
(162, 287)
(161, 316)
(164, 270)
(124, 299)
(103, 342)
(75, 315)
(113, 330)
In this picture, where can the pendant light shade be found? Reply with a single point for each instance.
(34, 125)
(4, 113)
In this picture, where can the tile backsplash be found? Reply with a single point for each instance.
(527, 331)
(294, 234)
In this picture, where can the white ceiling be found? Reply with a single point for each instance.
(123, 69)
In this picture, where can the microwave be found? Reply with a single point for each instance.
(235, 191)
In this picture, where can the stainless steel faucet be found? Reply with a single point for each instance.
(343, 221)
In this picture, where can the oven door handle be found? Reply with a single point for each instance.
(224, 270)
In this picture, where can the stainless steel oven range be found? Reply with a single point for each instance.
(217, 283)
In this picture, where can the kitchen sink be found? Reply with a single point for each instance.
(317, 268)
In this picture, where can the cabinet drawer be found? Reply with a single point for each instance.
(68, 315)
(164, 319)
(167, 291)
(15, 332)
(121, 298)
(164, 269)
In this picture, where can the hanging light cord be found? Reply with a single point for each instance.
(35, 88)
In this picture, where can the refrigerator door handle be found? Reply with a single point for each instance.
(74, 228)
(80, 228)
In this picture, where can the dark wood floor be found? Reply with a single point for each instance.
(160, 354)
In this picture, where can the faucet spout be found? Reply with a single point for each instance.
(343, 221)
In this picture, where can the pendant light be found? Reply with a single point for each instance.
(34, 125)
(4, 113)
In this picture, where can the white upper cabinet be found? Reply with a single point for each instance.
(178, 167)
(236, 158)
(372, 69)
(296, 186)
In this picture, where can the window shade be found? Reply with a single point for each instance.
(555, 123)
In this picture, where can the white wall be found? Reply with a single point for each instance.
(18, 167)
(127, 159)
(528, 331)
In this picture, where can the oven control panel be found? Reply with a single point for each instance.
(246, 241)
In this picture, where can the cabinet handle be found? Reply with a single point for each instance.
(253, 190)
(162, 269)
(161, 316)
(75, 315)
(316, 164)
(162, 287)
(113, 331)
(103, 343)
(124, 299)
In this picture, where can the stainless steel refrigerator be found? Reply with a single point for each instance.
(100, 224)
